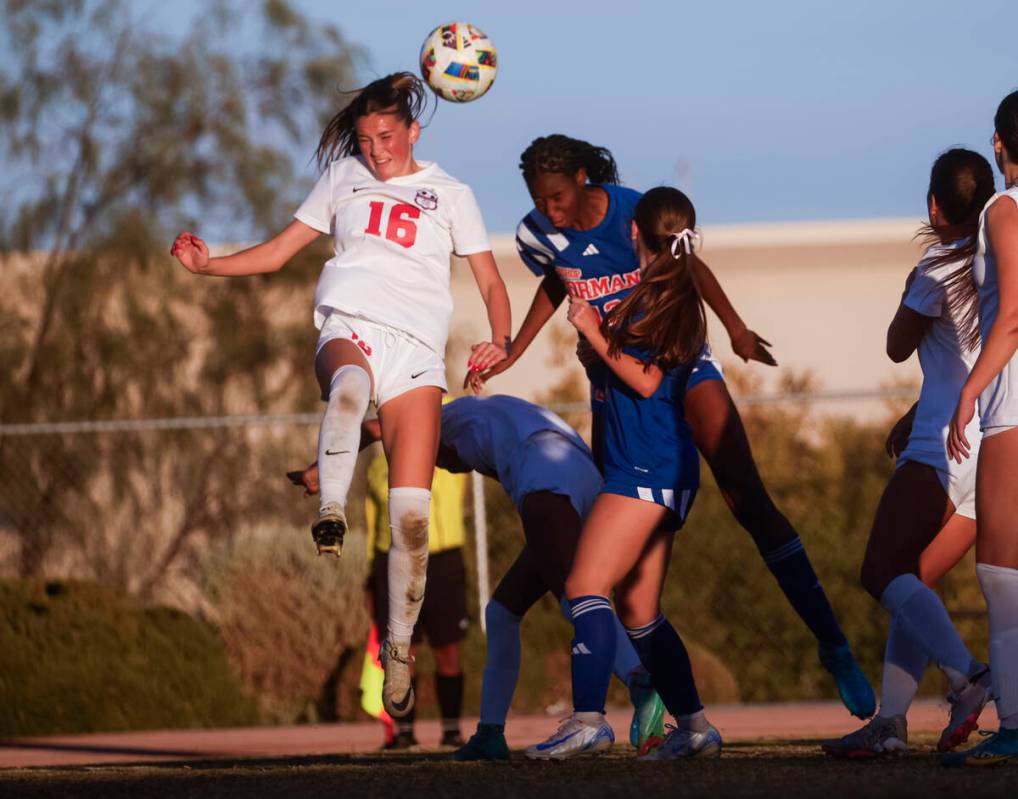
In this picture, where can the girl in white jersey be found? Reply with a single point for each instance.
(994, 383)
(925, 521)
(382, 305)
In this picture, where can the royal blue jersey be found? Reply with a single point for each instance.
(647, 442)
(597, 265)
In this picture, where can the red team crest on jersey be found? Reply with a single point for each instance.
(426, 199)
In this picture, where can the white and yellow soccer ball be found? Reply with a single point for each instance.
(458, 62)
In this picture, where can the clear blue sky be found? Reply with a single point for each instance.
(782, 110)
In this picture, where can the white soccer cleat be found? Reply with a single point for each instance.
(682, 744)
(966, 705)
(397, 688)
(572, 739)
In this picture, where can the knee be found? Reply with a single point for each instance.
(350, 388)
(876, 576)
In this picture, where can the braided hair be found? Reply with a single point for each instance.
(563, 155)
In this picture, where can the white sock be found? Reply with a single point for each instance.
(340, 434)
(920, 614)
(904, 664)
(409, 510)
(1000, 587)
(697, 722)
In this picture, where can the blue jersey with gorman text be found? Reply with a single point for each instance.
(597, 265)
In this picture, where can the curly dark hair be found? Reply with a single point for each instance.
(563, 155)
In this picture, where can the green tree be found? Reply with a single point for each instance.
(114, 135)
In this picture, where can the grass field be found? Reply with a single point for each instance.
(747, 769)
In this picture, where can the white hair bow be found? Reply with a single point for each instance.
(687, 239)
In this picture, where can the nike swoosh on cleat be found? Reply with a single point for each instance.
(401, 706)
(337, 452)
(557, 741)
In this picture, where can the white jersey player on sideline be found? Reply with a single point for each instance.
(925, 522)
(994, 383)
(382, 305)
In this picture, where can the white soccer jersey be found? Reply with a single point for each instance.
(998, 404)
(946, 366)
(393, 240)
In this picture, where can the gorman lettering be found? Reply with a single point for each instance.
(594, 287)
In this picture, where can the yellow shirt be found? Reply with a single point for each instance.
(445, 527)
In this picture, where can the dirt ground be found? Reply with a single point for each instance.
(747, 769)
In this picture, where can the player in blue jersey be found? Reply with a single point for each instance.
(649, 343)
(578, 238)
(550, 475)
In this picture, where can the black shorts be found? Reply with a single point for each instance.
(443, 618)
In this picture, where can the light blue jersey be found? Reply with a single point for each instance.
(525, 447)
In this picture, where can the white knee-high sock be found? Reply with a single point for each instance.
(904, 664)
(409, 510)
(1000, 587)
(502, 670)
(340, 434)
(917, 611)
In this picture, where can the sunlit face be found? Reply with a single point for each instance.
(559, 197)
(387, 144)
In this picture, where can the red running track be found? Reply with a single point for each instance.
(736, 722)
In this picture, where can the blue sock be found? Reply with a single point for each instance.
(593, 652)
(791, 567)
(502, 671)
(664, 655)
(626, 659)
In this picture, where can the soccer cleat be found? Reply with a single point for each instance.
(853, 687)
(966, 705)
(682, 744)
(451, 738)
(881, 736)
(572, 739)
(329, 530)
(402, 741)
(648, 710)
(996, 750)
(397, 687)
(488, 743)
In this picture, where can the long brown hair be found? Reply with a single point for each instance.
(401, 94)
(961, 181)
(664, 313)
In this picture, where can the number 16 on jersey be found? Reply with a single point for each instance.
(400, 226)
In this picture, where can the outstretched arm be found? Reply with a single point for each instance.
(643, 379)
(745, 343)
(269, 256)
(547, 299)
(496, 300)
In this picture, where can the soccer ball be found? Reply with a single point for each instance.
(458, 61)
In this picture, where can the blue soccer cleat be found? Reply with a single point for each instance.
(488, 743)
(853, 687)
(572, 739)
(996, 750)
(648, 710)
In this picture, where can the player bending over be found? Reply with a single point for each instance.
(650, 343)
(382, 305)
(578, 239)
(549, 474)
(994, 381)
(926, 520)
